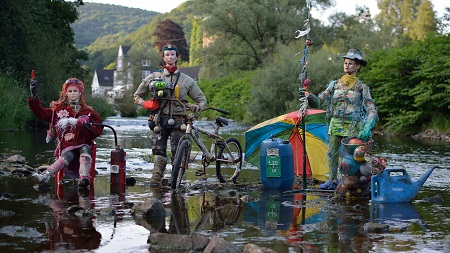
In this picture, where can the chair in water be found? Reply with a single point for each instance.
(59, 177)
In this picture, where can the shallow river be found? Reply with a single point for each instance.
(33, 221)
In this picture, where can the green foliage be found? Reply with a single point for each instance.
(411, 84)
(274, 88)
(101, 106)
(14, 111)
(97, 20)
(231, 93)
(324, 65)
(196, 47)
(36, 34)
(411, 19)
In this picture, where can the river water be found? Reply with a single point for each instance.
(36, 221)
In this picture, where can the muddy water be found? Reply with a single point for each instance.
(33, 221)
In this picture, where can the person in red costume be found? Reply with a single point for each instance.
(68, 118)
(167, 116)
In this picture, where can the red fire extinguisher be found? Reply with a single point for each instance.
(118, 167)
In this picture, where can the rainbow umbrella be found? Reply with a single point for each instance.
(289, 127)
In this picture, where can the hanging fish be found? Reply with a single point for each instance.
(302, 33)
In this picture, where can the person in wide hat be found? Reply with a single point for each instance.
(351, 111)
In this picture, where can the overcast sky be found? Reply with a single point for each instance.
(347, 6)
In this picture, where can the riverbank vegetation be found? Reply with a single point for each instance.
(252, 61)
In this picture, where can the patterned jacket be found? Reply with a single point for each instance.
(349, 108)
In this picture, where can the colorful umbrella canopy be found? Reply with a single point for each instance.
(289, 127)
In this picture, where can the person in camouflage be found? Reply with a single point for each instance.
(167, 116)
(351, 110)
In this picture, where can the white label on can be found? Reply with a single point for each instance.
(114, 168)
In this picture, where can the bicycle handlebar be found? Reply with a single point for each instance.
(184, 104)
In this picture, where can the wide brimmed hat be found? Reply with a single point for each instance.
(355, 54)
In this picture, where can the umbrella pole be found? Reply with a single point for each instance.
(304, 150)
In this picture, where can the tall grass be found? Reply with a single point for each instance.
(14, 111)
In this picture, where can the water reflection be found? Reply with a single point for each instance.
(67, 231)
(397, 214)
(285, 223)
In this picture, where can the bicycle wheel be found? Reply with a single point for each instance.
(229, 161)
(180, 164)
(230, 212)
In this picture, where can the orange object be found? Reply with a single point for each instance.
(151, 104)
(355, 142)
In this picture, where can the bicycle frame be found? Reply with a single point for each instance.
(224, 152)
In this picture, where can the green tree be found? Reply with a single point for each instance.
(243, 33)
(196, 47)
(275, 89)
(413, 19)
(36, 34)
(411, 85)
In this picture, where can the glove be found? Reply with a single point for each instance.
(151, 104)
(302, 92)
(194, 108)
(82, 120)
(366, 133)
(33, 87)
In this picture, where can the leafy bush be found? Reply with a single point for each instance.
(411, 84)
(101, 106)
(14, 111)
(231, 93)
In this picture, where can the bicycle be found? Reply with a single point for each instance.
(226, 153)
(215, 213)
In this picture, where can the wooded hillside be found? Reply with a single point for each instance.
(97, 20)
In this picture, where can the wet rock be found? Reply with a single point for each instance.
(16, 159)
(6, 213)
(372, 227)
(219, 245)
(83, 213)
(152, 224)
(177, 243)
(20, 231)
(5, 195)
(22, 171)
(42, 187)
(73, 209)
(149, 208)
(128, 205)
(438, 199)
(252, 248)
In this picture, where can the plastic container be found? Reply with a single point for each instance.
(277, 164)
(395, 186)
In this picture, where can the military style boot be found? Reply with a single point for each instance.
(158, 171)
